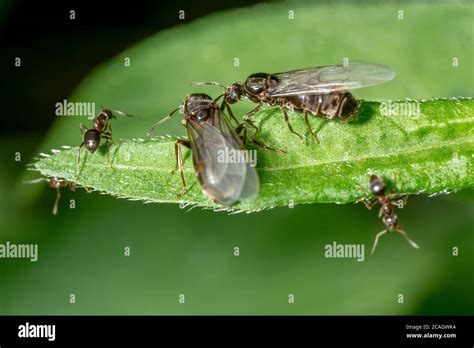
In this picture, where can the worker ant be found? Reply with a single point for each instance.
(101, 129)
(387, 202)
(56, 183)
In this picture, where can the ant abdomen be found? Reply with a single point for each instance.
(376, 185)
(91, 140)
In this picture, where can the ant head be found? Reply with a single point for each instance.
(233, 93)
(106, 113)
(376, 185)
(199, 106)
(92, 140)
(54, 182)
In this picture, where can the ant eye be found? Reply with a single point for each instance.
(233, 96)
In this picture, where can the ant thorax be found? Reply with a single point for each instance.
(198, 106)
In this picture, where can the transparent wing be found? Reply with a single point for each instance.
(326, 79)
(251, 185)
(223, 176)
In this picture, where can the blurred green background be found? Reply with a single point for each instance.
(175, 251)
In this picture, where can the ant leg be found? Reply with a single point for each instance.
(306, 120)
(217, 99)
(403, 233)
(78, 160)
(72, 186)
(240, 127)
(226, 106)
(245, 137)
(181, 142)
(250, 122)
(108, 142)
(56, 202)
(266, 147)
(380, 211)
(108, 131)
(247, 116)
(376, 241)
(404, 201)
(83, 128)
(287, 120)
(369, 202)
(179, 162)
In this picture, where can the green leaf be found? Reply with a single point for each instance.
(430, 152)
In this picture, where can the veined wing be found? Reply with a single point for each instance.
(224, 176)
(251, 186)
(331, 78)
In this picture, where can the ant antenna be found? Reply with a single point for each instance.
(56, 202)
(219, 97)
(116, 113)
(207, 84)
(123, 114)
(120, 113)
(166, 118)
(35, 181)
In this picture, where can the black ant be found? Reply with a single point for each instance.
(101, 129)
(387, 202)
(55, 183)
(321, 91)
(208, 133)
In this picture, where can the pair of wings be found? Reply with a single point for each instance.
(223, 179)
(331, 78)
